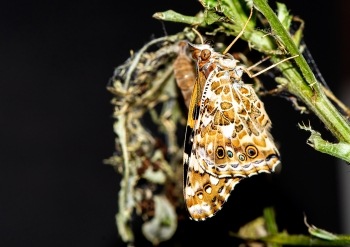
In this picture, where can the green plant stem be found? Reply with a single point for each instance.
(269, 216)
(298, 240)
(280, 31)
(301, 240)
(171, 15)
(310, 91)
(271, 225)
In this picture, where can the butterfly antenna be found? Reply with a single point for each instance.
(199, 35)
(240, 34)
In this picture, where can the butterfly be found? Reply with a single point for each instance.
(227, 135)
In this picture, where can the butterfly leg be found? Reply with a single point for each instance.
(268, 68)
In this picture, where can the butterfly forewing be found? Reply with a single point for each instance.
(233, 138)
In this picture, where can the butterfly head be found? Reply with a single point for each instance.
(204, 54)
(201, 53)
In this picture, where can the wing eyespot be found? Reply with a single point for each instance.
(251, 151)
(241, 157)
(220, 152)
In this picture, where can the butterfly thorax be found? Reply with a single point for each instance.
(211, 62)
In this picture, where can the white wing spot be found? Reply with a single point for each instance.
(208, 189)
(189, 191)
(214, 180)
(200, 196)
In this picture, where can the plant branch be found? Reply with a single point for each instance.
(304, 85)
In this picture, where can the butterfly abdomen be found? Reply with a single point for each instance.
(184, 72)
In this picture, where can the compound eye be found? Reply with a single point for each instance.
(251, 151)
(205, 54)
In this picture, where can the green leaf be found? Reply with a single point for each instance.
(283, 15)
(171, 15)
(210, 16)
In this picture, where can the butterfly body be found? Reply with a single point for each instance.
(184, 72)
(227, 135)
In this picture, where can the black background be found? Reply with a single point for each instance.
(56, 125)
